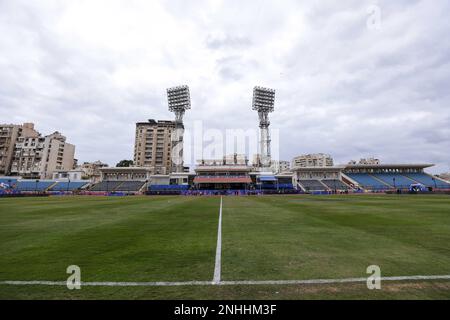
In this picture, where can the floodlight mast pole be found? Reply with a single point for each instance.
(179, 101)
(263, 102)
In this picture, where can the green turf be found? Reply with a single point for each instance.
(111, 239)
(412, 290)
(335, 236)
(264, 238)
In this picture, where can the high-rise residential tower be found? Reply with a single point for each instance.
(153, 145)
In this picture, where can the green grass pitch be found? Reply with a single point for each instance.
(140, 239)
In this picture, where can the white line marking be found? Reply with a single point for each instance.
(110, 284)
(217, 268)
(325, 281)
(209, 283)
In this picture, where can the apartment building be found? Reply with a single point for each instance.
(280, 166)
(370, 161)
(91, 170)
(153, 145)
(9, 133)
(37, 156)
(313, 160)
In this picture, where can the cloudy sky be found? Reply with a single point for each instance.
(353, 78)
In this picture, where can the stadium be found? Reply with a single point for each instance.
(158, 166)
(235, 179)
(227, 229)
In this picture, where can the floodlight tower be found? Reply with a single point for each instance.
(263, 102)
(179, 101)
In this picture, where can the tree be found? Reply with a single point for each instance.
(125, 163)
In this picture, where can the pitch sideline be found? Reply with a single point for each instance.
(225, 283)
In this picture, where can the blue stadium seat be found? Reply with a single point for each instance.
(6, 180)
(130, 186)
(106, 186)
(289, 186)
(312, 185)
(367, 181)
(401, 181)
(428, 181)
(335, 184)
(68, 186)
(32, 185)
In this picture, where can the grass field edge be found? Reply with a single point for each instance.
(224, 283)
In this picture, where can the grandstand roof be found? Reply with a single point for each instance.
(334, 168)
(211, 179)
(365, 166)
(125, 169)
(223, 168)
(284, 175)
(389, 166)
(181, 174)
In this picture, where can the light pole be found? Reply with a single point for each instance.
(263, 102)
(179, 100)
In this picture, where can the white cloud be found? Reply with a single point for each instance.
(91, 69)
